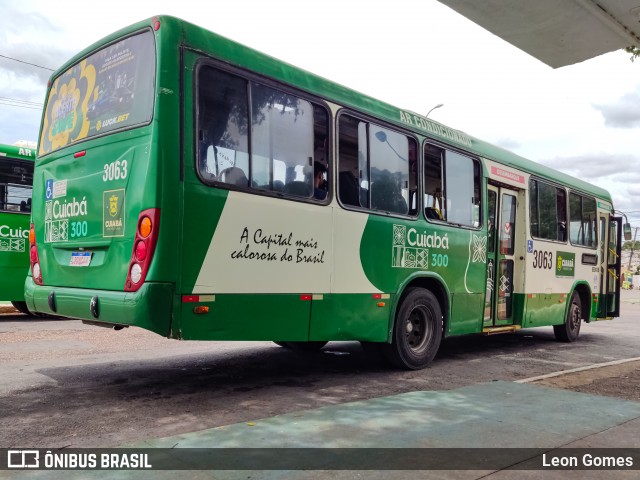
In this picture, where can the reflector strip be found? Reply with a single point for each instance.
(80, 154)
(306, 297)
(198, 298)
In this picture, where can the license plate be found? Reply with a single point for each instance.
(80, 259)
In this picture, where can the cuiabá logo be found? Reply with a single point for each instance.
(564, 263)
(7, 231)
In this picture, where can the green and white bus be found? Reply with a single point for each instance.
(16, 177)
(200, 189)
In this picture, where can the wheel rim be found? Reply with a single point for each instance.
(417, 329)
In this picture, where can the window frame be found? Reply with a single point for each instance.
(21, 163)
(443, 170)
(595, 224)
(249, 77)
(566, 208)
(388, 126)
(154, 95)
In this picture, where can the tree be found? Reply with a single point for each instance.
(634, 51)
(631, 244)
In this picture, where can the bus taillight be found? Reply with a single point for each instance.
(34, 259)
(143, 248)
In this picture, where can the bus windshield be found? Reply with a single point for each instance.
(109, 90)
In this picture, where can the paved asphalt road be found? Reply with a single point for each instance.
(65, 384)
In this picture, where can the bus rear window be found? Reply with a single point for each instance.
(109, 90)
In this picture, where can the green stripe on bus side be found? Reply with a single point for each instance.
(543, 309)
(203, 207)
(393, 249)
(247, 317)
(351, 317)
(284, 317)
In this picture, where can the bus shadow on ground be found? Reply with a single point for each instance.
(266, 366)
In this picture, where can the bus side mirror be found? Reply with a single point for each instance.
(626, 229)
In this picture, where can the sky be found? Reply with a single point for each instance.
(582, 119)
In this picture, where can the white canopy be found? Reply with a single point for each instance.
(557, 32)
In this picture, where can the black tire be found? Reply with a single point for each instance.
(570, 329)
(21, 307)
(306, 346)
(417, 331)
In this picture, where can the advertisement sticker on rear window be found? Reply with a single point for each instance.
(109, 90)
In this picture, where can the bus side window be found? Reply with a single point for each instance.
(349, 183)
(451, 186)
(413, 178)
(223, 123)
(386, 164)
(547, 211)
(433, 184)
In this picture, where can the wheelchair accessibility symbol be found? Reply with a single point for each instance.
(49, 190)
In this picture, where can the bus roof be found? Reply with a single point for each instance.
(14, 151)
(242, 56)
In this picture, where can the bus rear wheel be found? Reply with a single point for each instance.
(417, 330)
(570, 329)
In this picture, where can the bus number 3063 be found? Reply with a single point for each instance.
(542, 259)
(115, 171)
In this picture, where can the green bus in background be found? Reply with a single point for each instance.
(199, 189)
(16, 178)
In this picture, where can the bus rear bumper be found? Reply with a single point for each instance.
(149, 308)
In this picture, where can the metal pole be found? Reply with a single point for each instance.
(632, 245)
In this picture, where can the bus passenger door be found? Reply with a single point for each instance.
(501, 226)
(610, 267)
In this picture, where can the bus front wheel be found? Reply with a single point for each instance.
(570, 329)
(417, 330)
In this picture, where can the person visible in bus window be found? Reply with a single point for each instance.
(319, 181)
